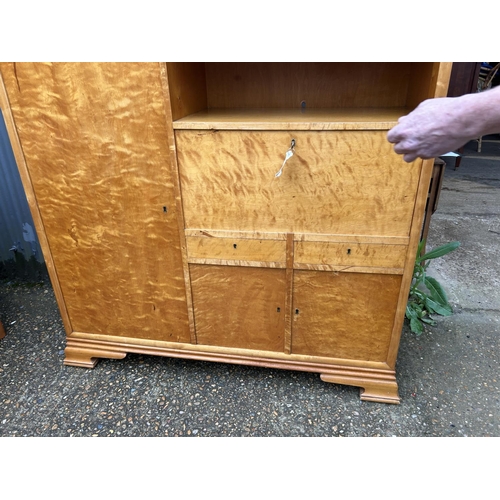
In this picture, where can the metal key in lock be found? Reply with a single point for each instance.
(288, 155)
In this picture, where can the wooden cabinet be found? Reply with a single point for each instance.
(247, 213)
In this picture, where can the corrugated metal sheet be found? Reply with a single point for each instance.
(17, 231)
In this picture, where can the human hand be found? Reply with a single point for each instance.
(435, 127)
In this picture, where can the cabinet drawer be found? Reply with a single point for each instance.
(236, 250)
(336, 182)
(308, 254)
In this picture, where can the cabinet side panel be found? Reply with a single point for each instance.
(428, 80)
(426, 167)
(30, 196)
(187, 86)
(95, 142)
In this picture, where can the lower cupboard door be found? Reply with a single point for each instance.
(239, 307)
(344, 315)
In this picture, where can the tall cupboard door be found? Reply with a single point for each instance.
(95, 144)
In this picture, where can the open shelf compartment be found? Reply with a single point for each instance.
(296, 96)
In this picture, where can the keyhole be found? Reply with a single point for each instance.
(278, 309)
(165, 209)
(297, 311)
(348, 251)
(234, 245)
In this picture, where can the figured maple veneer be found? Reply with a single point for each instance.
(349, 316)
(268, 253)
(166, 231)
(95, 141)
(349, 255)
(239, 307)
(292, 119)
(327, 187)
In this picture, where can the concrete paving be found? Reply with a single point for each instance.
(448, 376)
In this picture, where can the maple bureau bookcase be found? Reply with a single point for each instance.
(249, 213)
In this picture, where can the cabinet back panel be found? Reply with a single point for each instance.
(335, 183)
(95, 142)
(319, 85)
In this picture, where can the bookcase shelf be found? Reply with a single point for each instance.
(292, 119)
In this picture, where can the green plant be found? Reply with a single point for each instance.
(427, 296)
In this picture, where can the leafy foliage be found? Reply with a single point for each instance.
(427, 296)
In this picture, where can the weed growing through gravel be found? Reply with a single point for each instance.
(427, 296)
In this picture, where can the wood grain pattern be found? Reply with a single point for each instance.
(239, 355)
(269, 235)
(254, 255)
(85, 357)
(31, 198)
(236, 249)
(252, 235)
(418, 216)
(239, 263)
(335, 183)
(379, 389)
(187, 88)
(292, 119)
(427, 80)
(289, 292)
(320, 85)
(167, 100)
(344, 315)
(96, 145)
(441, 79)
(353, 238)
(341, 367)
(350, 254)
(197, 87)
(239, 307)
(350, 269)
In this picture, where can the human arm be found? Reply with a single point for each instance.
(444, 124)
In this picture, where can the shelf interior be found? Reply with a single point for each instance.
(303, 96)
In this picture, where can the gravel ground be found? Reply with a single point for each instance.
(448, 377)
(448, 382)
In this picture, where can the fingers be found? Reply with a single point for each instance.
(409, 154)
(401, 147)
(396, 134)
(392, 136)
(408, 158)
